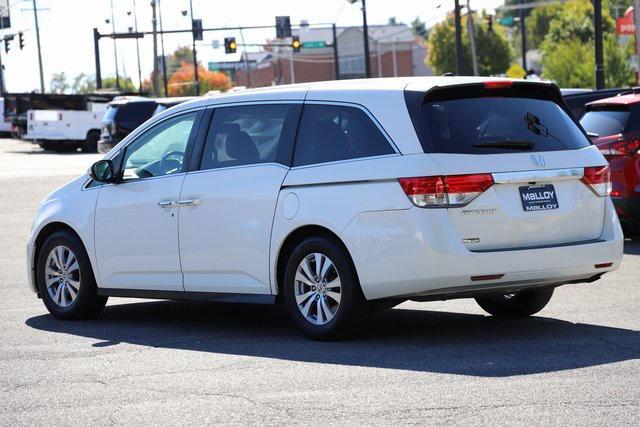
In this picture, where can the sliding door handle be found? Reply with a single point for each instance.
(167, 204)
(189, 202)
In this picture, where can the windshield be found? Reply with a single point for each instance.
(605, 122)
(489, 125)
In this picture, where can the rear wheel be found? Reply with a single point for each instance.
(65, 279)
(90, 145)
(63, 147)
(519, 304)
(321, 288)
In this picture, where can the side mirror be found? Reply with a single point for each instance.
(102, 171)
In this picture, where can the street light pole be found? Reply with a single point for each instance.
(523, 35)
(458, 26)
(115, 49)
(195, 60)
(35, 14)
(135, 25)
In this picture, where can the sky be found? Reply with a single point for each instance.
(66, 30)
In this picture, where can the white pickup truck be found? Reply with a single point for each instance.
(66, 130)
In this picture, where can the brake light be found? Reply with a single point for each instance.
(598, 179)
(445, 191)
(622, 148)
(498, 84)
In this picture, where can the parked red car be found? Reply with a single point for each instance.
(614, 126)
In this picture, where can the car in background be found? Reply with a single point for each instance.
(123, 115)
(576, 99)
(165, 103)
(334, 198)
(614, 127)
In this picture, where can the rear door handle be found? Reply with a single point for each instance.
(167, 203)
(189, 202)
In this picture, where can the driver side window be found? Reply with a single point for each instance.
(160, 150)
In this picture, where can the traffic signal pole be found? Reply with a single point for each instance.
(35, 13)
(96, 52)
(195, 60)
(597, 18)
(523, 36)
(336, 64)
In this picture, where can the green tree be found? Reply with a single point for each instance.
(419, 28)
(83, 83)
(59, 83)
(493, 50)
(126, 84)
(567, 49)
(538, 24)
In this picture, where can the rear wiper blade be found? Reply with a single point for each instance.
(508, 144)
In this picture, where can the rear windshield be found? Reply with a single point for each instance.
(110, 114)
(605, 122)
(134, 112)
(488, 124)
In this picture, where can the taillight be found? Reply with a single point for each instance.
(445, 191)
(598, 179)
(622, 148)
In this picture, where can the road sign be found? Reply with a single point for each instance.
(507, 21)
(314, 44)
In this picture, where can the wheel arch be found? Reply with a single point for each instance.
(43, 234)
(294, 238)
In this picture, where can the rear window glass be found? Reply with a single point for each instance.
(498, 124)
(110, 114)
(605, 122)
(135, 112)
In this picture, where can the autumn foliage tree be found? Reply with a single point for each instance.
(182, 81)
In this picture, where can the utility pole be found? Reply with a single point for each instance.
(195, 60)
(472, 39)
(135, 25)
(365, 32)
(336, 63)
(597, 21)
(35, 14)
(523, 35)
(1, 77)
(154, 29)
(115, 49)
(636, 19)
(458, 26)
(246, 59)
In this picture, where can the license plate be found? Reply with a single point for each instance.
(538, 197)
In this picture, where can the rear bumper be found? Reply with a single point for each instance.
(628, 209)
(402, 254)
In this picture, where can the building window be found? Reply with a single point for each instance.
(351, 65)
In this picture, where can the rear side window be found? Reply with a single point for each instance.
(605, 122)
(497, 121)
(330, 133)
(250, 134)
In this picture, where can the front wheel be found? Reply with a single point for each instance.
(90, 145)
(519, 304)
(65, 279)
(321, 288)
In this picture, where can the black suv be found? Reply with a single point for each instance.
(122, 116)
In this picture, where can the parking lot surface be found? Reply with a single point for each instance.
(144, 362)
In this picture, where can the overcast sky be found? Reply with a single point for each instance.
(67, 39)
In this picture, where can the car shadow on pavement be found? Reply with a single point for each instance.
(414, 340)
(632, 245)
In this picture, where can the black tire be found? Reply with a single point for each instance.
(350, 294)
(63, 147)
(520, 304)
(87, 303)
(90, 145)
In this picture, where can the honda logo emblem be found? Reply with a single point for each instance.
(538, 160)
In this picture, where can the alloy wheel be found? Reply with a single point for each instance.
(317, 289)
(62, 276)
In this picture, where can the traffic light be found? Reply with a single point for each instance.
(21, 40)
(295, 43)
(230, 45)
(283, 27)
(490, 23)
(196, 27)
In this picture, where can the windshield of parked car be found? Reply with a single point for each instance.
(605, 121)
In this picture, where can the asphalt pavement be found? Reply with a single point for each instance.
(149, 362)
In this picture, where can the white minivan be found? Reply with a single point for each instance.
(334, 198)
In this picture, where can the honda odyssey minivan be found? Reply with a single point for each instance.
(334, 198)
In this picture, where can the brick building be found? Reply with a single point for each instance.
(393, 48)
